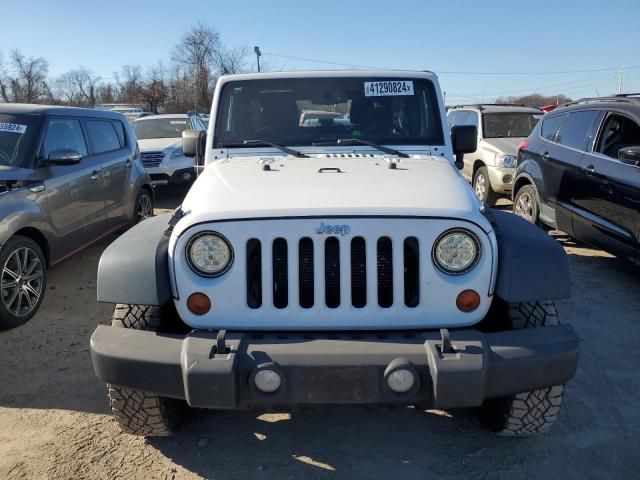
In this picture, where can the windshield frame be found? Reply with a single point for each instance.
(531, 114)
(432, 112)
(35, 122)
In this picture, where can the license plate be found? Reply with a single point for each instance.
(388, 88)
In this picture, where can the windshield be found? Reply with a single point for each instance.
(509, 124)
(304, 111)
(16, 134)
(160, 128)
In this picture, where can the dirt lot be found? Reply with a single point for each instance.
(54, 421)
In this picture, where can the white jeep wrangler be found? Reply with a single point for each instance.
(340, 261)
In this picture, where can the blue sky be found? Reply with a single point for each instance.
(443, 36)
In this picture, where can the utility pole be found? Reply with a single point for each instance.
(258, 55)
(620, 81)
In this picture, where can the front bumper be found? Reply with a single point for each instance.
(160, 176)
(340, 368)
(501, 178)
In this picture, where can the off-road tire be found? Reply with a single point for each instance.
(532, 215)
(490, 196)
(528, 413)
(137, 412)
(7, 318)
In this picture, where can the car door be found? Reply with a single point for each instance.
(608, 205)
(561, 164)
(108, 147)
(74, 192)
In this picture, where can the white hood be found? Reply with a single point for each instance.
(239, 188)
(148, 144)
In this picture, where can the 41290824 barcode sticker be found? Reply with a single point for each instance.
(388, 88)
(13, 128)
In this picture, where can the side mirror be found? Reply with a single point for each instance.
(63, 156)
(193, 145)
(464, 139)
(630, 155)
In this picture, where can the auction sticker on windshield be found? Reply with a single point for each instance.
(388, 88)
(12, 128)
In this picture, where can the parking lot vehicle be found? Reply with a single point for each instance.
(68, 177)
(501, 129)
(160, 141)
(351, 265)
(579, 171)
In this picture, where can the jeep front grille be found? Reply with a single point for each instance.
(151, 159)
(333, 270)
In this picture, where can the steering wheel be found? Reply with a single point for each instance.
(385, 130)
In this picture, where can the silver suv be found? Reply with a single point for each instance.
(68, 177)
(501, 129)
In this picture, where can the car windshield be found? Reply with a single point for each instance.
(16, 134)
(305, 111)
(160, 128)
(509, 124)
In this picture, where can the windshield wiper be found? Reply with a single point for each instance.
(287, 150)
(358, 141)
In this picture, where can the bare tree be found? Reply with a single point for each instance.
(76, 87)
(129, 84)
(230, 60)
(4, 85)
(154, 90)
(29, 84)
(535, 99)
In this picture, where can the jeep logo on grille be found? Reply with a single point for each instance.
(333, 229)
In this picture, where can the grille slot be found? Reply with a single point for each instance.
(254, 273)
(385, 272)
(280, 273)
(332, 272)
(305, 272)
(411, 272)
(358, 272)
(151, 159)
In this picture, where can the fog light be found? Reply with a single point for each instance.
(198, 303)
(267, 380)
(507, 179)
(401, 380)
(468, 301)
(186, 176)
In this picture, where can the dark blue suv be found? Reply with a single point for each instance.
(579, 172)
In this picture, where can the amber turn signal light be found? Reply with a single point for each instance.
(468, 301)
(198, 303)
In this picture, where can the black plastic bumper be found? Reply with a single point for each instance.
(335, 368)
(177, 178)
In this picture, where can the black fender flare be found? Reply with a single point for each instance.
(531, 265)
(134, 269)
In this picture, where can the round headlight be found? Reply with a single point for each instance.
(209, 254)
(456, 251)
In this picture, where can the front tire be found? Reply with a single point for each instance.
(137, 412)
(23, 281)
(526, 204)
(483, 189)
(527, 413)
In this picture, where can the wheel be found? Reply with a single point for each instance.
(23, 281)
(143, 208)
(482, 187)
(527, 413)
(137, 412)
(525, 204)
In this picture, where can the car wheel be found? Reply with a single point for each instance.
(525, 204)
(138, 412)
(23, 281)
(527, 413)
(482, 187)
(143, 206)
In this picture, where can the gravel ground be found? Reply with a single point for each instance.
(55, 424)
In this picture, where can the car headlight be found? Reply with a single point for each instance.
(177, 153)
(456, 251)
(509, 161)
(209, 254)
